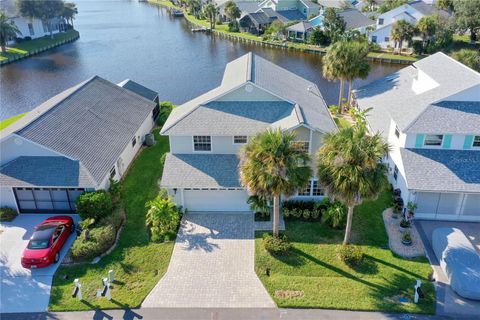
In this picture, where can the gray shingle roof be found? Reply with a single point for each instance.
(442, 170)
(302, 26)
(45, 172)
(139, 89)
(427, 9)
(259, 18)
(459, 117)
(354, 19)
(392, 97)
(244, 6)
(201, 171)
(338, 4)
(270, 77)
(233, 117)
(92, 123)
(310, 4)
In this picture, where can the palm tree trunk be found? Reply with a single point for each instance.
(276, 214)
(340, 96)
(348, 230)
(350, 87)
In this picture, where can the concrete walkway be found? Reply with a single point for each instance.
(212, 266)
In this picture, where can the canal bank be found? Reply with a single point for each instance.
(33, 47)
(222, 31)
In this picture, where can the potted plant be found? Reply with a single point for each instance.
(407, 239)
(397, 207)
(404, 225)
(411, 209)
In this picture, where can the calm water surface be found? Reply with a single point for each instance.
(122, 39)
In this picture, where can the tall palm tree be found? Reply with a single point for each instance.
(349, 167)
(333, 67)
(232, 11)
(8, 30)
(358, 65)
(273, 165)
(426, 27)
(402, 31)
(211, 11)
(29, 8)
(69, 11)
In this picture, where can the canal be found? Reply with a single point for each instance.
(122, 39)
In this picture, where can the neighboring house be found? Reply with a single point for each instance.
(411, 12)
(206, 133)
(244, 6)
(336, 4)
(354, 20)
(305, 7)
(72, 143)
(430, 115)
(300, 31)
(255, 23)
(33, 28)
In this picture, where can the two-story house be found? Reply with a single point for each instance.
(306, 7)
(430, 114)
(411, 12)
(206, 133)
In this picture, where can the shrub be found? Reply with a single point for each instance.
(276, 245)
(233, 26)
(163, 217)
(96, 205)
(404, 223)
(305, 210)
(335, 215)
(7, 214)
(350, 254)
(166, 108)
(100, 240)
(115, 190)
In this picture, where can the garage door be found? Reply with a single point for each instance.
(216, 200)
(46, 200)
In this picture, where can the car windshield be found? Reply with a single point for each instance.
(41, 238)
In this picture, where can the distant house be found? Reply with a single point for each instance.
(244, 6)
(300, 31)
(72, 143)
(305, 7)
(336, 4)
(33, 28)
(354, 20)
(430, 115)
(411, 12)
(255, 23)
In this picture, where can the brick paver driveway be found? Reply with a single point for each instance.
(212, 265)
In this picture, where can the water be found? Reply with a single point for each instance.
(122, 39)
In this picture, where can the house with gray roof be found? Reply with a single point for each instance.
(206, 133)
(429, 113)
(74, 142)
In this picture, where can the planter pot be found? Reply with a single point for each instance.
(407, 242)
(402, 229)
(394, 215)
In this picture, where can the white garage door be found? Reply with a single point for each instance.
(216, 200)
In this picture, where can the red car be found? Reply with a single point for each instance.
(46, 242)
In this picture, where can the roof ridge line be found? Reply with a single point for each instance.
(249, 66)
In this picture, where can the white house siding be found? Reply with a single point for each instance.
(38, 30)
(14, 146)
(381, 34)
(249, 92)
(220, 145)
(7, 198)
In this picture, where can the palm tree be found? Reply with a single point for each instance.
(232, 11)
(426, 27)
(402, 31)
(273, 165)
(358, 65)
(349, 167)
(8, 30)
(334, 68)
(69, 11)
(29, 8)
(211, 11)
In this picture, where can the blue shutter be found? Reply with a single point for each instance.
(419, 140)
(447, 141)
(468, 142)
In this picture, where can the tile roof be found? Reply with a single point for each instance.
(459, 117)
(201, 171)
(354, 19)
(33, 171)
(139, 89)
(393, 97)
(442, 170)
(270, 77)
(92, 122)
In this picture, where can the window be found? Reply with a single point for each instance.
(239, 139)
(316, 190)
(433, 140)
(45, 28)
(374, 39)
(395, 173)
(307, 190)
(380, 21)
(113, 172)
(30, 29)
(134, 141)
(397, 132)
(476, 141)
(387, 39)
(202, 143)
(302, 145)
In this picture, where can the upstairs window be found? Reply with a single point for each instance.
(30, 29)
(302, 145)
(395, 173)
(239, 139)
(476, 141)
(380, 21)
(134, 141)
(433, 140)
(307, 190)
(374, 39)
(387, 39)
(397, 132)
(202, 143)
(316, 190)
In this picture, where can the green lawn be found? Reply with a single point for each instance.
(36, 44)
(5, 123)
(137, 262)
(312, 276)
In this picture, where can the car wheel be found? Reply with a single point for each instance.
(57, 257)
